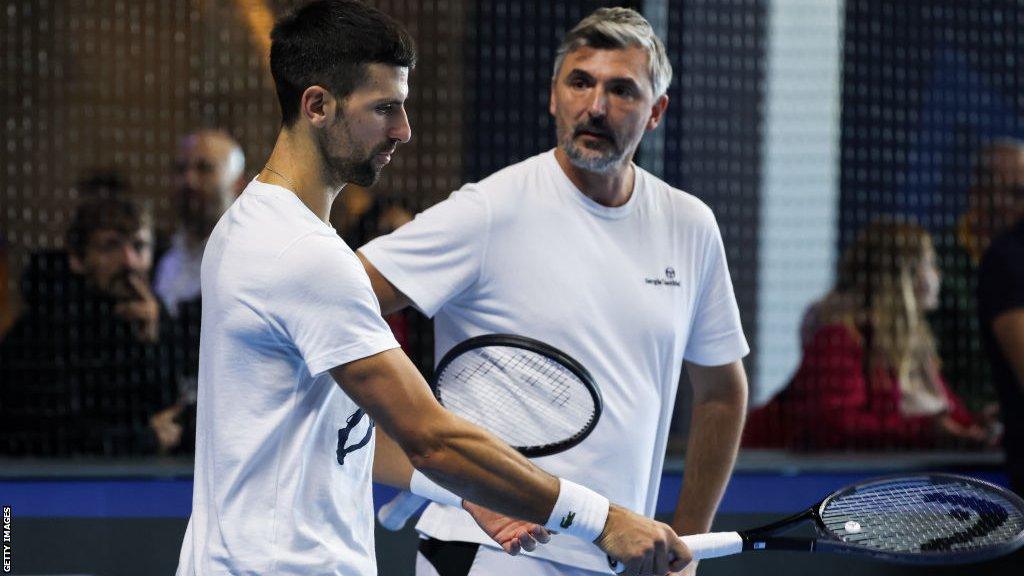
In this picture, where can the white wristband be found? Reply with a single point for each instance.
(579, 511)
(420, 485)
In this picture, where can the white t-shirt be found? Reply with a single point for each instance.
(629, 291)
(177, 275)
(283, 457)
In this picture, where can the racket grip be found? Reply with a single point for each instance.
(712, 545)
(394, 514)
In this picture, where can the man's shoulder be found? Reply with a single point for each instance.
(511, 177)
(676, 203)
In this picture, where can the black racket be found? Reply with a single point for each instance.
(917, 519)
(534, 397)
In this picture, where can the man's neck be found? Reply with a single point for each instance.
(612, 188)
(295, 164)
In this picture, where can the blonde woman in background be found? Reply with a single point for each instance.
(870, 376)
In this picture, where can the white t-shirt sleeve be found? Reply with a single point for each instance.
(716, 336)
(322, 302)
(437, 255)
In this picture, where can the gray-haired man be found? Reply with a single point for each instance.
(581, 248)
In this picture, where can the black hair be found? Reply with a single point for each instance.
(329, 43)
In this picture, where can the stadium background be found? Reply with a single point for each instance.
(797, 121)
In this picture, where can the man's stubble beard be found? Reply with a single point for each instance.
(349, 170)
(601, 163)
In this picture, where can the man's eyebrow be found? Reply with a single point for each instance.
(578, 72)
(618, 79)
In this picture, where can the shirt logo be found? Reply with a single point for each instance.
(669, 279)
(343, 433)
(567, 520)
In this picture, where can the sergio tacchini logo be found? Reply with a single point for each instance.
(668, 280)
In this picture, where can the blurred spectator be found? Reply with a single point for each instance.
(870, 375)
(1001, 310)
(47, 269)
(411, 328)
(208, 175)
(88, 363)
(995, 198)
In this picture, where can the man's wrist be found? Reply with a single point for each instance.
(578, 512)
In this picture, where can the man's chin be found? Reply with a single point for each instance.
(586, 159)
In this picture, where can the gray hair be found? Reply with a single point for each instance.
(613, 28)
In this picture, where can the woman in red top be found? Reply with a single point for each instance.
(870, 375)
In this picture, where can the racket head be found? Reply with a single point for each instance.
(531, 395)
(928, 518)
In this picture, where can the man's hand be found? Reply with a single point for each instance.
(645, 546)
(143, 312)
(511, 534)
(167, 430)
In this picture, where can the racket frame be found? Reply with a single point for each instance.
(537, 347)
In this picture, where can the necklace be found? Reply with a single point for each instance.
(283, 177)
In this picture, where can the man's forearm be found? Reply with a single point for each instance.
(715, 430)
(478, 467)
(390, 464)
(455, 454)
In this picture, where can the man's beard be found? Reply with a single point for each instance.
(358, 168)
(603, 161)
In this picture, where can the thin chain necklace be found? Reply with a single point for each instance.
(283, 177)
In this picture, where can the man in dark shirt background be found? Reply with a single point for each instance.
(1001, 315)
(90, 361)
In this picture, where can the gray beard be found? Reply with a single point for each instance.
(598, 164)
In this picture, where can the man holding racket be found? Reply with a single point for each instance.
(297, 366)
(580, 248)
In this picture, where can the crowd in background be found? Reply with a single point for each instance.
(102, 360)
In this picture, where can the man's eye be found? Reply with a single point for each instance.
(386, 109)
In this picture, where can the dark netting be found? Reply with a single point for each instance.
(840, 144)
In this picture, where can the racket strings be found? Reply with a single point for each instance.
(525, 398)
(922, 516)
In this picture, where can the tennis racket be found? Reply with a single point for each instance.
(534, 397)
(918, 519)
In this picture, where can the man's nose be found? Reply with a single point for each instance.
(402, 129)
(598, 107)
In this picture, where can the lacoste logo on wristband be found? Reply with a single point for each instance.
(567, 520)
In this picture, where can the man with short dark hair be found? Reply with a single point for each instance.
(90, 361)
(297, 366)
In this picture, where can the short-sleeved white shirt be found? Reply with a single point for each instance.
(283, 457)
(629, 291)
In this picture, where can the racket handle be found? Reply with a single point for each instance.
(397, 512)
(712, 545)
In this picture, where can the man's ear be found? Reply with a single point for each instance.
(318, 106)
(657, 112)
(551, 97)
